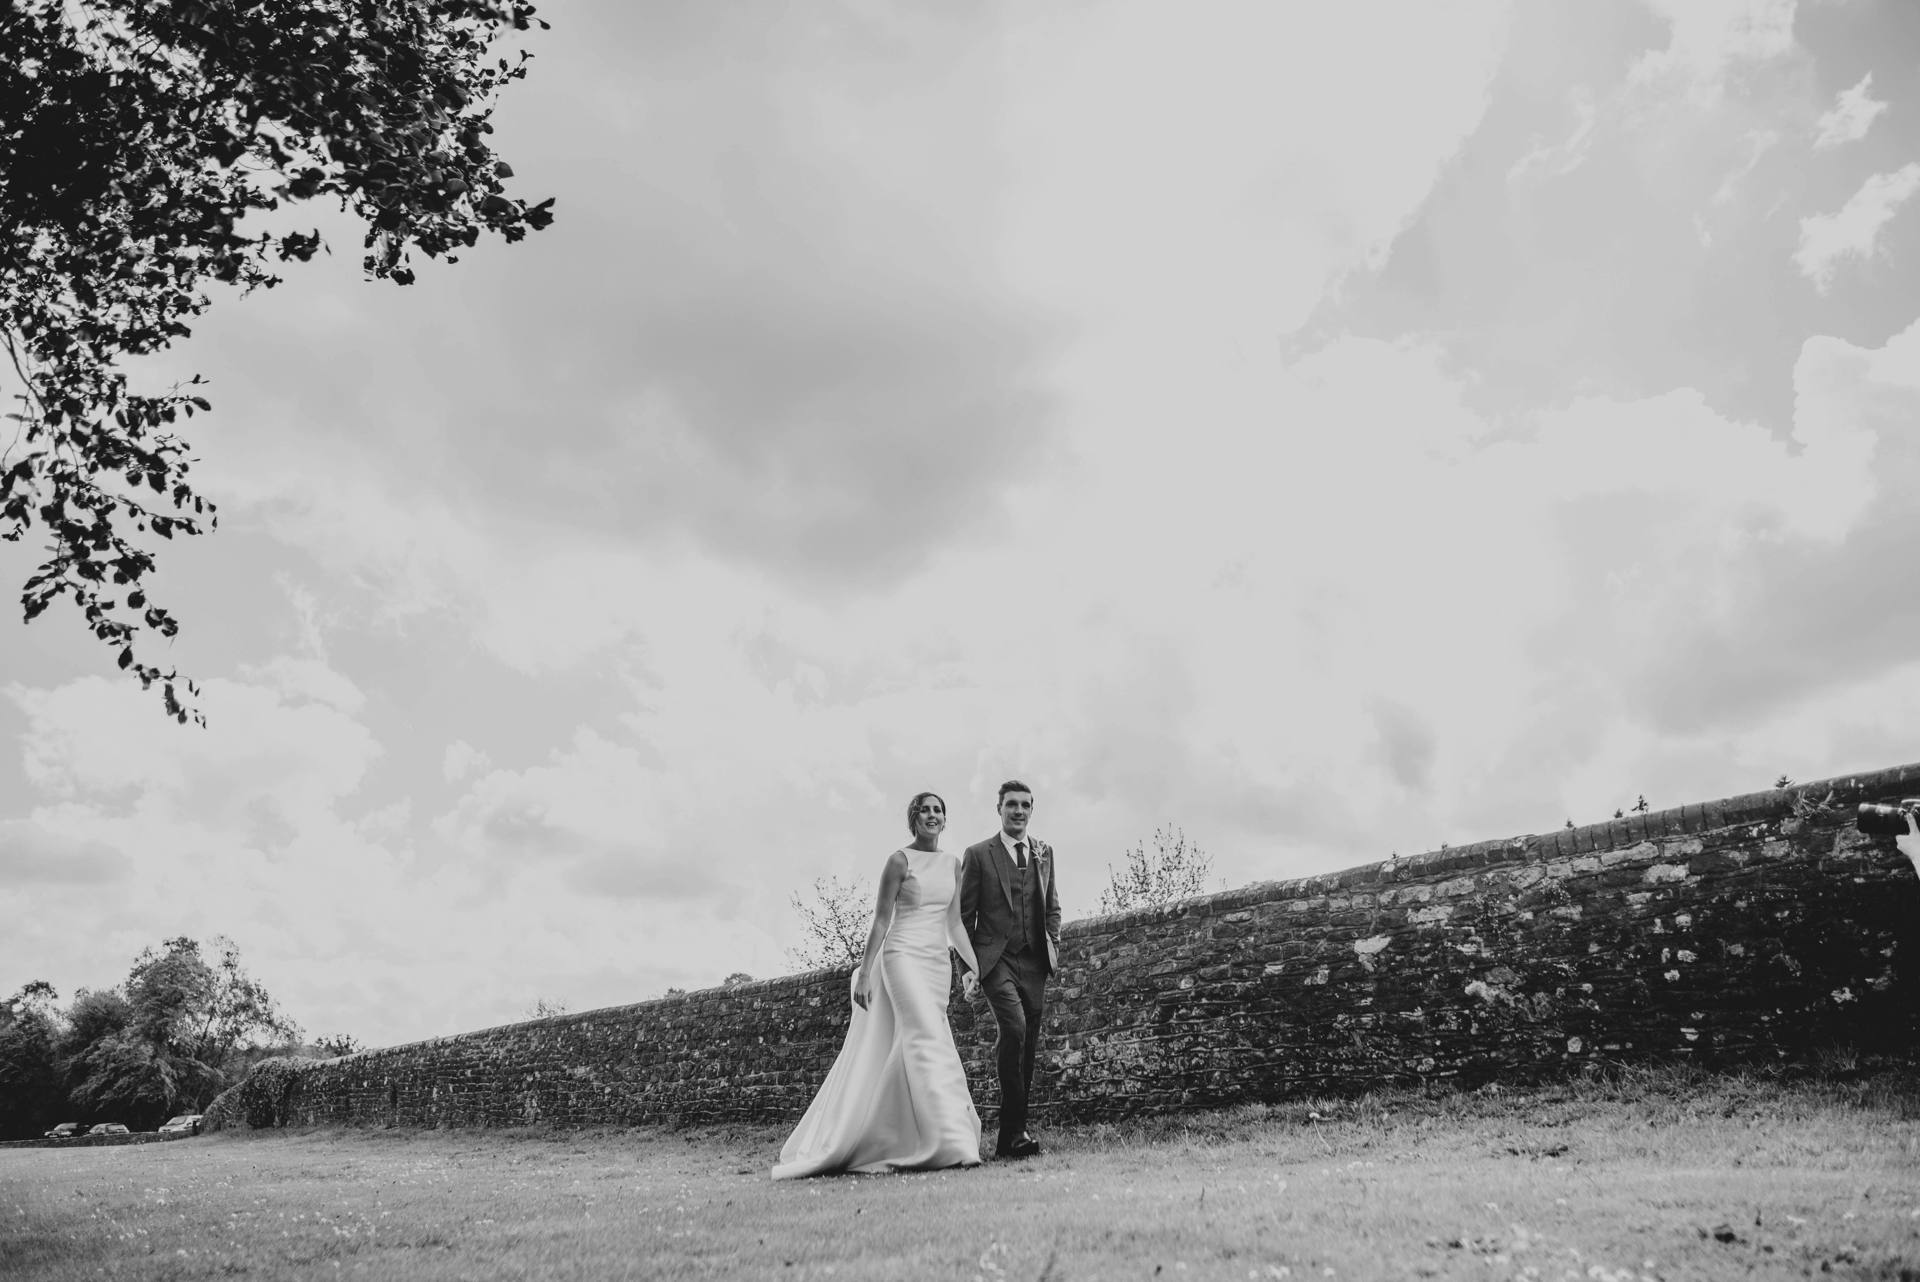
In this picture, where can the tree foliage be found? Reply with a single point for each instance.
(836, 921)
(168, 1039)
(1174, 869)
(30, 1095)
(209, 1011)
(187, 1022)
(140, 1083)
(143, 143)
(95, 1015)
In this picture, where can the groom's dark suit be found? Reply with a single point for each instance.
(1013, 920)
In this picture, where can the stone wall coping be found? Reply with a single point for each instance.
(1608, 834)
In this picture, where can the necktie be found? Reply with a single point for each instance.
(1020, 850)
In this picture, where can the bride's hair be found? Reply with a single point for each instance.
(913, 807)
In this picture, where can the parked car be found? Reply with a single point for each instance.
(108, 1128)
(185, 1124)
(64, 1131)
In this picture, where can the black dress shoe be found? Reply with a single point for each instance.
(1024, 1146)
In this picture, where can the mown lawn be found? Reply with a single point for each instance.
(1660, 1175)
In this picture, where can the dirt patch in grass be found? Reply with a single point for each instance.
(1658, 1174)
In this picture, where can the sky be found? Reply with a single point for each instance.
(1332, 431)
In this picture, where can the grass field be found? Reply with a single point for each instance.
(1660, 1175)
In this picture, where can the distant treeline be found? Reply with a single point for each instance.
(180, 1029)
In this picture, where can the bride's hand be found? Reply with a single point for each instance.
(862, 993)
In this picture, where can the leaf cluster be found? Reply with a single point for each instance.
(141, 141)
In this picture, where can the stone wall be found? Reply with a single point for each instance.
(1758, 928)
(98, 1141)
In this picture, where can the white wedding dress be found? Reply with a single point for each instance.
(896, 1099)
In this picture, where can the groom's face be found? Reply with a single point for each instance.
(1015, 809)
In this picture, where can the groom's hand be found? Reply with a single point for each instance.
(969, 985)
(1909, 842)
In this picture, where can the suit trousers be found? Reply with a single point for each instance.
(1016, 989)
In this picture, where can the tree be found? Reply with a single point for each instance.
(34, 998)
(836, 920)
(172, 1037)
(94, 1014)
(141, 143)
(207, 1011)
(736, 979)
(334, 1045)
(546, 1007)
(30, 1088)
(1175, 869)
(130, 1079)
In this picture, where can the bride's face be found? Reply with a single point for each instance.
(929, 817)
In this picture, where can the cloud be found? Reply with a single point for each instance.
(1851, 115)
(905, 399)
(96, 741)
(1190, 194)
(248, 828)
(1671, 254)
(1794, 617)
(657, 879)
(1407, 744)
(1360, 618)
(461, 760)
(595, 794)
(1854, 230)
(1553, 160)
(1757, 144)
(30, 853)
(305, 680)
(769, 324)
(1710, 38)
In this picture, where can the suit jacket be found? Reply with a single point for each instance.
(987, 903)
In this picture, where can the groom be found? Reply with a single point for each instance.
(1011, 911)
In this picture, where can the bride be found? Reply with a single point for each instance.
(896, 1099)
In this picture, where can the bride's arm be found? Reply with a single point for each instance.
(957, 937)
(890, 879)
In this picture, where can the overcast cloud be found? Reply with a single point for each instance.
(1333, 434)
